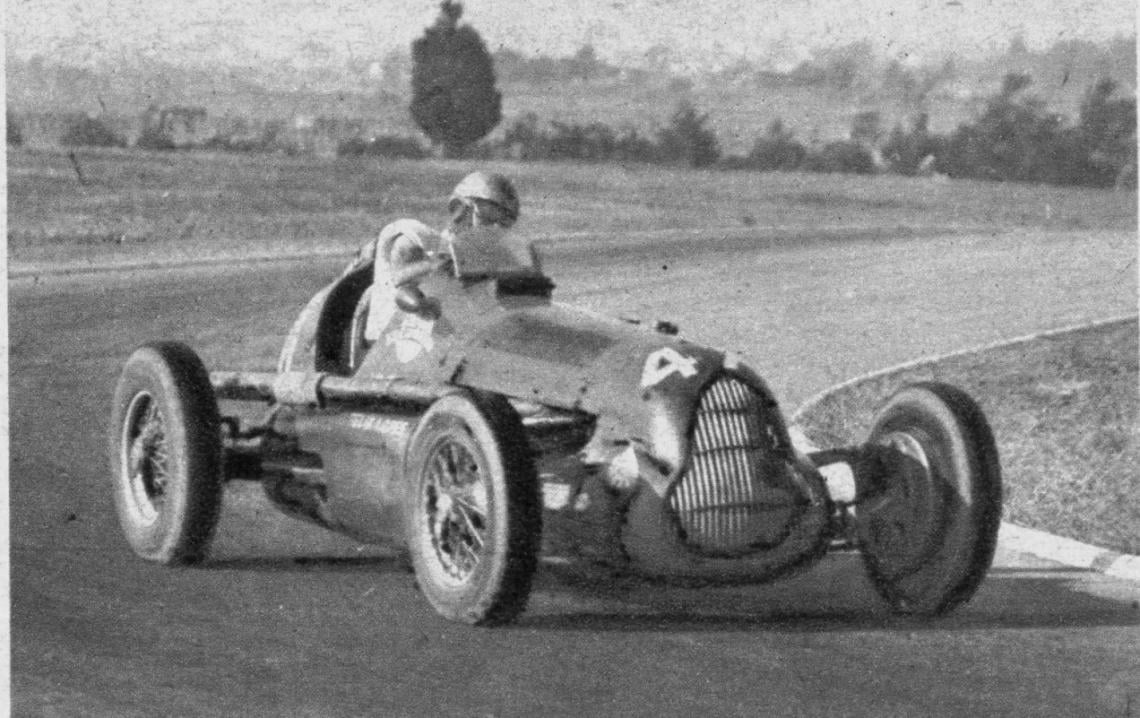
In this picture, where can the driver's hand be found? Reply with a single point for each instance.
(442, 262)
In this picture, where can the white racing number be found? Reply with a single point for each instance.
(412, 338)
(666, 361)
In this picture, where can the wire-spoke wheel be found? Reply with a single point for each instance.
(165, 448)
(456, 506)
(148, 464)
(474, 511)
(929, 530)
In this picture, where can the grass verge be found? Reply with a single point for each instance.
(110, 206)
(1064, 410)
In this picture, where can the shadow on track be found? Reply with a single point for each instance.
(1009, 599)
(330, 564)
(834, 599)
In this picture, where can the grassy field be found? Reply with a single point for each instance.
(1065, 413)
(138, 206)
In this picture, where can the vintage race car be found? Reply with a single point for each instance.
(490, 426)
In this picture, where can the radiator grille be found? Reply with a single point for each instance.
(734, 496)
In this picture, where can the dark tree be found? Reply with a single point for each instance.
(13, 129)
(777, 150)
(913, 152)
(454, 100)
(688, 139)
(84, 131)
(1015, 138)
(1108, 131)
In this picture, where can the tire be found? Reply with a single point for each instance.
(474, 543)
(929, 532)
(166, 454)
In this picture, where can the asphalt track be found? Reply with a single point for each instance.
(285, 620)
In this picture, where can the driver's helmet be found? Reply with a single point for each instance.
(487, 187)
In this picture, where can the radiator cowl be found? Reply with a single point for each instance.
(735, 495)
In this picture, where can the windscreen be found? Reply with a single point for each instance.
(492, 252)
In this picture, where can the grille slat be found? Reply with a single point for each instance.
(728, 501)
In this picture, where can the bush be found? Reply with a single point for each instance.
(632, 147)
(153, 138)
(525, 139)
(1108, 134)
(1016, 139)
(389, 146)
(910, 153)
(1005, 142)
(13, 129)
(84, 131)
(586, 142)
(595, 142)
(843, 156)
(225, 143)
(687, 140)
(777, 150)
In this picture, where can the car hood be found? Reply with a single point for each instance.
(632, 378)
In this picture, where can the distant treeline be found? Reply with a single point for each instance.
(1014, 138)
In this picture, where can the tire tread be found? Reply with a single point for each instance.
(984, 511)
(191, 402)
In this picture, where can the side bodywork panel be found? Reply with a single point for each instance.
(362, 455)
(641, 387)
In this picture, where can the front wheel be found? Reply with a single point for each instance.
(928, 530)
(474, 512)
(166, 454)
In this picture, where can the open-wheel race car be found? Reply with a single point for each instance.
(489, 426)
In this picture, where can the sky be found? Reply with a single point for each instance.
(702, 32)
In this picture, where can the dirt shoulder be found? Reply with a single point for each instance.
(1064, 409)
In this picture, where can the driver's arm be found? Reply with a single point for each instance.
(410, 262)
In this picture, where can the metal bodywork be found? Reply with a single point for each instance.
(656, 454)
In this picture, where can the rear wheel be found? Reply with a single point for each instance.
(928, 529)
(166, 454)
(474, 513)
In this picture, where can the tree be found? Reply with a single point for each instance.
(687, 139)
(584, 64)
(777, 150)
(84, 131)
(154, 135)
(1015, 138)
(454, 100)
(13, 129)
(867, 128)
(913, 152)
(1108, 131)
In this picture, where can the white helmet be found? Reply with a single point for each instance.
(487, 186)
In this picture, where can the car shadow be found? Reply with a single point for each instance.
(1008, 599)
(331, 564)
(833, 595)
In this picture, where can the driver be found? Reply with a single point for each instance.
(407, 249)
(483, 199)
